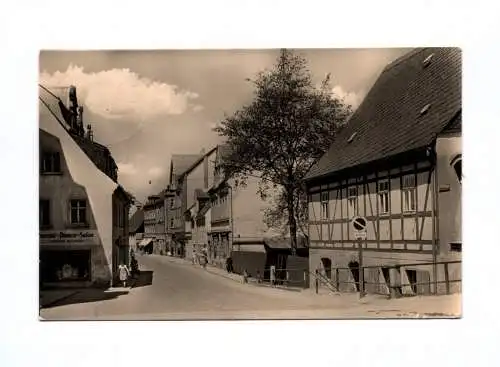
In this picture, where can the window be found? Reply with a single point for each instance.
(325, 212)
(44, 212)
(383, 196)
(78, 212)
(409, 192)
(172, 202)
(352, 200)
(171, 222)
(51, 163)
(457, 166)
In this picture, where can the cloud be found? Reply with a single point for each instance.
(350, 98)
(118, 93)
(126, 168)
(155, 172)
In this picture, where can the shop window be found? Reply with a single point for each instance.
(409, 192)
(383, 196)
(78, 212)
(44, 212)
(352, 200)
(325, 209)
(50, 163)
(61, 266)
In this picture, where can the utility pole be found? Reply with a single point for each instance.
(359, 227)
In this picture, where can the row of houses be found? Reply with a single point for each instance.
(83, 211)
(398, 163)
(202, 208)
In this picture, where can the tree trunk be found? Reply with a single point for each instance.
(292, 222)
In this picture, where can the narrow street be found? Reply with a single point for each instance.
(174, 290)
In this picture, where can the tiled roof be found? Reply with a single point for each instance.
(136, 221)
(200, 194)
(54, 99)
(224, 150)
(393, 118)
(203, 210)
(181, 162)
(455, 125)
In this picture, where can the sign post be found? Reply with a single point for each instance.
(359, 227)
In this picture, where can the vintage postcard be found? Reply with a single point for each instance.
(250, 184)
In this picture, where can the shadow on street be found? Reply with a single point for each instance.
(87, 296)
(144, 279)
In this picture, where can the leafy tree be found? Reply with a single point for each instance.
(288, 125)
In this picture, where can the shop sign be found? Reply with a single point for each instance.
(69, 237)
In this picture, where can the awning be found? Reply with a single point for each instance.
(145, 242)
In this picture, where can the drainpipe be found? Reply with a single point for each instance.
(435, 215)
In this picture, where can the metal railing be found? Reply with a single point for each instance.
(333, 279)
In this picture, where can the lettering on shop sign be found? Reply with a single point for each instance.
(68, 237)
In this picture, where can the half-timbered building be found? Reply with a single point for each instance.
(398, 164)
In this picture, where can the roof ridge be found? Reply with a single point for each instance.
(404, 57)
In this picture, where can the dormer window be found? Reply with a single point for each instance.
(425, 109)
(427, 60)
(351, 138)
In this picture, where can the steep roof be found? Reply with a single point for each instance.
(55, 100)
(199, 160)
(204, 209)
(393, 117)
(224, 150)
(455, 125)
(181, 162)
(200, 194)
(136, 221)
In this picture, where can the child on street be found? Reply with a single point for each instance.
(124, 274)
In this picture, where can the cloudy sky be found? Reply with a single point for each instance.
(147, 105)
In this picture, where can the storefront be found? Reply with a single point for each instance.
(68, 257)
(57, 266)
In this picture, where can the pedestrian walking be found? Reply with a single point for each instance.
(204, 256)
(123, 273)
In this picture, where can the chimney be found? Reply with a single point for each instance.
(90, 133)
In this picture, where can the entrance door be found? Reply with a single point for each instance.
(354, 268)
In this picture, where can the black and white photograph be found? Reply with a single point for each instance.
(237, 184)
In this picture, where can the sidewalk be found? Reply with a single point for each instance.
(50, 297)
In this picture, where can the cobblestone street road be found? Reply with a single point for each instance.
(179, 290)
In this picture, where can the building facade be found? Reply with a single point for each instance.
(154, 225)
(136, 228)
(82, 210)
(392, 164)
(187, 174)
(237, 216)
